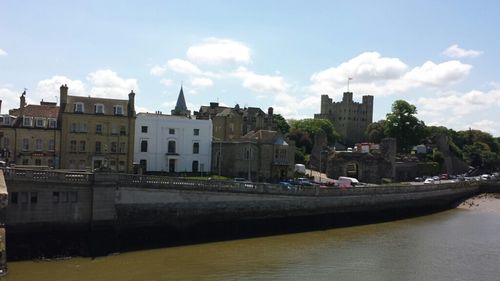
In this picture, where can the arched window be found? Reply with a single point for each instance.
(171, 146)
(144, 146)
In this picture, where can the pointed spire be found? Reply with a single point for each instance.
(180, 106)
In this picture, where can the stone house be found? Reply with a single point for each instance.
(97, 133)
(30, 135)
(260, 155)
(233, 123)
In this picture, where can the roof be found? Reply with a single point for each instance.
(265, 136)
(45, 111)
(180, 106)
(89, 103)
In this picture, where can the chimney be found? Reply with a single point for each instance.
(214, 104)
(22, 100)
(63, 91)
(0, 106)
(270, 112)
(131, 104)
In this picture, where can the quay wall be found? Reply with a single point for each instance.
(52, 201)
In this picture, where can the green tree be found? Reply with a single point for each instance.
(314, 126)
(302, 140)
(281, 124)
(375, 131)
(402, 125)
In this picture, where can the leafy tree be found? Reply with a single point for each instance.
(302, 139)
(375, 131)
(314, 126)
(281, 124)
(402, 125)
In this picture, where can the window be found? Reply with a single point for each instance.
(98, 147)
(98, 129)
(24, 197)
(194, 166)
(27, 121)
(122, 147)
(144, 146)
(121, 166)
(52, 123)
(171, 131)
(38, 162)
(38, 144)
(52, 145)
(55, 197)
(13, 197)
(6, 142)
(26, 144)
(82, 146)
(39, 122)
(83, 127)
(64, 197)
(196, 148)
(82, 164)
(118, 110)
(171, 146)
(72, 127)
(99, 108)
(26, 161)
(73, 196)
(114, 147)
(144, 129)
(114, 129)
(34, 197)
(123, 131)
(78, 107)
(72, 146)
(196, 132)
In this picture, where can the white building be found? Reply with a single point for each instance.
(173, 143)
(169, 143)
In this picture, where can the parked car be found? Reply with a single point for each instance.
(429, 181)
(419, 179)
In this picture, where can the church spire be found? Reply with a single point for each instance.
(180, 106)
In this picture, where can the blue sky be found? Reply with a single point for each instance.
(441, 56)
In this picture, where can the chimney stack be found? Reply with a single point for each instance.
(22, 100)
(63, 91)
(131, 103)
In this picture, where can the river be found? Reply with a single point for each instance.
(459, 244)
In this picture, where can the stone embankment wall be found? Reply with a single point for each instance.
(54, 201)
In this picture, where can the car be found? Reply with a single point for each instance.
(429, 181)
(419, 179)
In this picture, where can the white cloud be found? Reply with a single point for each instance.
(10, 99)
(484, 125)
(261, 83)
(107, 84)
(158, 70)
(437, 75)
(49, 88)
(184, 67)
(217, 51)
(376, 75)
(166, 82)
(3, 53)
(456, 52)
(201, 82)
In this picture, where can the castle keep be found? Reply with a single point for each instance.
(349, 118)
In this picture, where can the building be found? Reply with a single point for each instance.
(173, 143)
(261, 155)
(169, 143)
(350, 119)
(30, 135)
(97, 133)
(233, 123)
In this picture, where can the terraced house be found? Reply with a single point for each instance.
(97, 133)
(30, 135)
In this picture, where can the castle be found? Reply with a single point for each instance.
(349, 118)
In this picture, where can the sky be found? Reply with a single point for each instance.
(441, 56)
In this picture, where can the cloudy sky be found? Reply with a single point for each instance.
(441, 56)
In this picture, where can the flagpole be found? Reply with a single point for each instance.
(348, 84)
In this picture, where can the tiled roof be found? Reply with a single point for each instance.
(45, 111)
(262, 135)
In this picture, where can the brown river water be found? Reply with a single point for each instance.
(459, 244)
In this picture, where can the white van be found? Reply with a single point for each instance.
(347, 182)
(300, 168)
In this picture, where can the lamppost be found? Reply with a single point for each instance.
(321, 163)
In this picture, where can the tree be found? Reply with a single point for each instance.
(314, 126)
(302, 139)
(281, 124)
(375, 131)
(402, 125)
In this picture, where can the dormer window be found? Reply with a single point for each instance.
(99, 108)
(52, 123)
(118, 110)
(78, 107)
(39, 122)
(27, 121)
